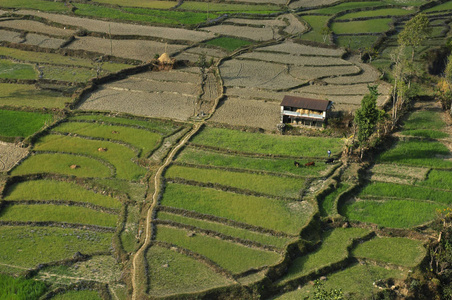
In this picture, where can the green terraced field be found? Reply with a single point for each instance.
(233, 257)
(118, 155)
(183, 273)
(332, 249)
(277, 165)
(61, 164)
(266, 184)
(39, 245)
(57, 190)
(398, 251)
(24, 95)
(11, 70)
(267, 143)
(57, 213)
(145, 140)
(22, 123)
(265, 239)
(279, 215)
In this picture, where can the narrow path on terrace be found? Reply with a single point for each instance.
(155, 196)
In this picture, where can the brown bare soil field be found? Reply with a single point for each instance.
(252, 33)
(296, 60)
(251, 113)
(189, 56)
(178, 75)
(133, 49)
(10, 36)
(38, 27)
(331, 90)
(295, 48)
(43, 41)
(158, 105)
(122, 28)
(295, 26)
(308, 73)
(256, 94)
(210, 88)
(257, 74)
(152, 86)
(10, 155)
(210, 52)
(368, 75)
(266, 22)
(310, 3)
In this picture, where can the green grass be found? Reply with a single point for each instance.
(332, 249)
(60, 164)
(27, 246)
(278, 215)
(57, 213)
(356, 42)
(391, 213)
(406, 2)
(398, 251)
(356, 281)
(228, 43)
(172, 16)
(18, 95)
(326, 205)
(366, 26)
(20, 288)
(265, 239)
(277, 165)
(376, 13)
(11, 70)
(386, 189)
(437, 179)
(442, 7)
(346, 6)
(267, 184)
(427, 133)
(317, 23)
(227, 7)
(118, 155)
(417, 153)
(78, 295)
(57, 59)
(182, 275)
(298, 146)
(36, 4)
(145, 140)
(128, 235)
(164, 127)
(140, 3)
(68, 73)
(22, 123)
(233, 257)
(424, 119)
(57, 190)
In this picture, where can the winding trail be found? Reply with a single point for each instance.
(157, 181)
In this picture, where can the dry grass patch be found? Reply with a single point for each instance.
(163, 105)
(178, 75)
(38, 27)
(300, 49)
(134, 84)
(10, 36)
(306, 73)
(252, 33)
(295, 59)
(10, 154)
(418, 173)
(257, 74)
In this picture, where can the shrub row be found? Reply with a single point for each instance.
(63, 202)
(96, 228)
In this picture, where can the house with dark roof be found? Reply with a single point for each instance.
(305, 111)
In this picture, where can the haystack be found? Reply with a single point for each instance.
(165, 59)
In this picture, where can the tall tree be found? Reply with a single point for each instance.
(415, 32)
(367, 117)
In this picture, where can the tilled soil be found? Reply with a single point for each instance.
(123, 28)
(295, 26)
(10, 155)
(10, 36)
(252, 33)
(252, 113)
(145, 85)
(43, 41)
(338, 72)
(292, 59)
(158, 105)
(299, 49)
(173, 75)
(37, 27)
(134, 49)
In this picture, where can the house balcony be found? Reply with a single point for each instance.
(298, 115)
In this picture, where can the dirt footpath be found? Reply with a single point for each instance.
(10, 154)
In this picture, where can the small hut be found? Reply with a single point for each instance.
(165, 62)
